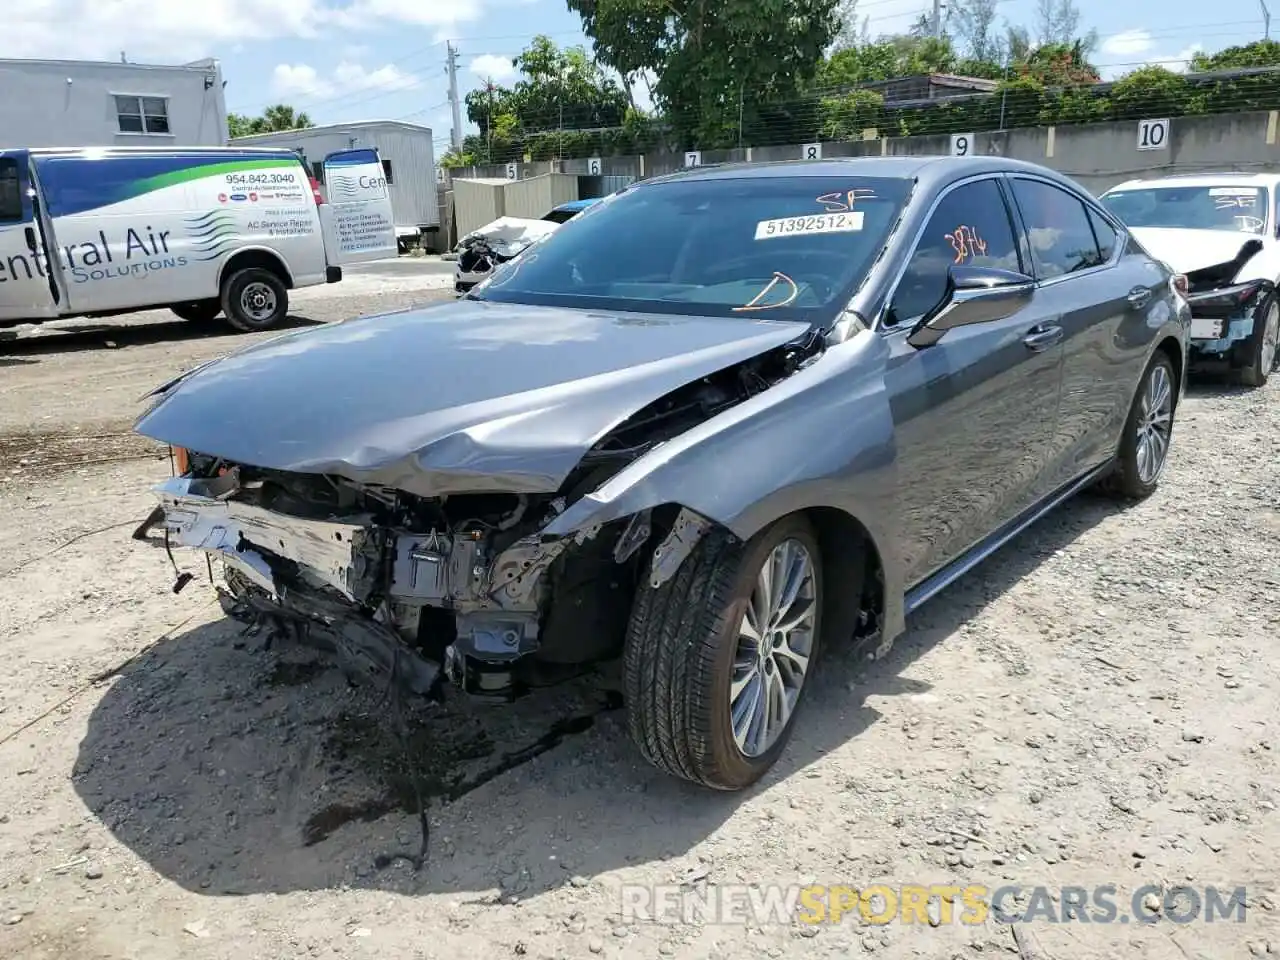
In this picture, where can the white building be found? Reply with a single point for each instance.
(408, 159)
(84, 103)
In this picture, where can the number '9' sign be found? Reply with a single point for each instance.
(961, 144)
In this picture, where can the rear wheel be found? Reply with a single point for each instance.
(717, 658)
(197, 311)
(1258, 353)
(1148, 432)
(254, 299)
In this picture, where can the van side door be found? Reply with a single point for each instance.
(27, 289)
(357, 217)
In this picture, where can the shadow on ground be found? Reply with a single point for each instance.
(232, 771)
(104, 335)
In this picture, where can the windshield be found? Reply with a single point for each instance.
(1238, 209)
(792, 248)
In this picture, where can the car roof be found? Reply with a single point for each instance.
(928, 170)
(1199, 180)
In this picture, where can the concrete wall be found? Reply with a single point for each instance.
(71, 103)
(1097, 155)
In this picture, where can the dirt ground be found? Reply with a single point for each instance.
(1095, 705)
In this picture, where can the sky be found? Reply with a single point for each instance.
(347, 60)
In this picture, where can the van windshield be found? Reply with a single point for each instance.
(785, 248)
(1234, 208)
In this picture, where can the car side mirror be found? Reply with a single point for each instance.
(973, 295)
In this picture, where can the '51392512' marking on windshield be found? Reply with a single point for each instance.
(818, 223)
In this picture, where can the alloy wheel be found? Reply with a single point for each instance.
(1155, 421)
(775, 643)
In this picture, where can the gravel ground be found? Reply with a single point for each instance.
(1095, 705)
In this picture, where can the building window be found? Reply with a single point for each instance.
(142, 114)
(386, 170)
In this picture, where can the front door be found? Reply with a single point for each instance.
(357, 219)
(976, 412)
(27, 290)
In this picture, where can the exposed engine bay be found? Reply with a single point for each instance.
(466, 587)
(1222, 307)
(495, 243)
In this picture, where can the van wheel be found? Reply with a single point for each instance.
(717, 657)
(254, 299)
(197, 311)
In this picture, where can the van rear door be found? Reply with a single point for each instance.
(27, 289)
(357, 219)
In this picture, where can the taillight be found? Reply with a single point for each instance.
(1180, 283)
(315, 191)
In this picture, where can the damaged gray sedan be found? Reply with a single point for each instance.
(715, 423)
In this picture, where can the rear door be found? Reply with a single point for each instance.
(1104, 295)
(975, 412)
(357, 219)
(27, 289)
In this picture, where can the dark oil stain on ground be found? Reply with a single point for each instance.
(437, 751)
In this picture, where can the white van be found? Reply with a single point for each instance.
(202, 231)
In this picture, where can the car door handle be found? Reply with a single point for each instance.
(1042, 337)
(1138, 297)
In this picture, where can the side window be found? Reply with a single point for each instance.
(1105, 234)
(1058, 229)
(10, 190)
(386, 170)
(971, 227)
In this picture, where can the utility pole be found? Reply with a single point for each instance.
(454, 102)
(1266, 20)
(937, 19)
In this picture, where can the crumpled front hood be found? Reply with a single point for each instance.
(462, 397)
(1188, 250)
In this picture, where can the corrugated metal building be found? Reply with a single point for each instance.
(89, 103)
(408, 158)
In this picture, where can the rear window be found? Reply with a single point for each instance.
(786, 248)
(1224, 207)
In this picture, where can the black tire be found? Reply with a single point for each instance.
(1126, 481)
(197, 311)
(1256, 357)
(679, 658)
(260, 282)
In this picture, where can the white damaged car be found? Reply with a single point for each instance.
(504, 239)
(1221, 231)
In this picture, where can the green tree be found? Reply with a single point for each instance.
(275, 118)
(1260, 53)
(715, 62)
(975, 29)
(557, 89)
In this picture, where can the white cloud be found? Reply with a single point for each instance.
(1180, 62)
(1127, 43)
(166, 31)
(303, 81)
(493, 66)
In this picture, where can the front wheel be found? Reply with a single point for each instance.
(254, 299)
(717, 658)
(1258, 353)
(1144, 449)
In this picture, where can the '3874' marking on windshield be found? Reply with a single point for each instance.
(818, 223)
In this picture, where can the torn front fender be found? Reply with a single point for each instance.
(824, 437)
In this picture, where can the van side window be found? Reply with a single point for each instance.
(10, 190)
(970, 227)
